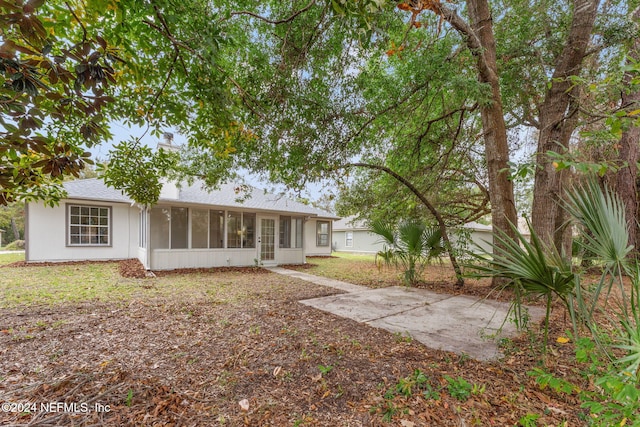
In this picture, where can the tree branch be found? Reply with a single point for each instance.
(164, 30)
(441, 224)
(84, 29)
(271, 21)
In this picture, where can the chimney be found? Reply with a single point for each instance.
(169, 188)
(167, 142)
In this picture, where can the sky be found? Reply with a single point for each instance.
(123, 132)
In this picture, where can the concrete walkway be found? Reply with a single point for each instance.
(324, 281)
(460, 324)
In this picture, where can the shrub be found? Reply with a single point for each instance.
(16, 245)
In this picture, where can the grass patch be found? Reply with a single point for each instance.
(10, 258)
(51, 285)
(361, 269)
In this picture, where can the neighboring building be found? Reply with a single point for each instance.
(481, 235)
(352, 235)
(478, 237)
(189, 227)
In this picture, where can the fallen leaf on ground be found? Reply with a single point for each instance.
(277, 370)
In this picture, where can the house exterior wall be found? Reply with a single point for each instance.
(47, 236)
(169, 259)
(481, 239)
(363, 241)
(311, 247)
(474, 240)
(47, 233)
(367, 242)
(141, 254)
(290, 256)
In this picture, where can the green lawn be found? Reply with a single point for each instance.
(9, 258)
(60, 284)
(362, 269)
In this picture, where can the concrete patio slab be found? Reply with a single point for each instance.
(372, 304)
(460, 324)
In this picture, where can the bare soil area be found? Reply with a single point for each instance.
(256, 357)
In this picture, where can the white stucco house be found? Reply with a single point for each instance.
(189, 227)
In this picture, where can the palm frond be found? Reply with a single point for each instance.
(603, 214)
(385, 231)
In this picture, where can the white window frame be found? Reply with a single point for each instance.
(80, 216)
(284, 232)
(242, 232)
(318, 234)
(347, 239)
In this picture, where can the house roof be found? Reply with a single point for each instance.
(349, 223)
(522, 227)
(225, 196)
(352, 223)
(94, 189)
(477, 226)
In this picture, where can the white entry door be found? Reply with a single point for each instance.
(267, 240)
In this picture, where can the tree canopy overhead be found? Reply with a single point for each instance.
(298, 90)
(69, 68)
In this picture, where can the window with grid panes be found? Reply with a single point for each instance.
(89, 225)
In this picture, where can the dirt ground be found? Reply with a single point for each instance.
(258, 358)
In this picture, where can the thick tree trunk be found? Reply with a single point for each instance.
(503, 210)
(558, 119)
(628, 152)
(15, 230)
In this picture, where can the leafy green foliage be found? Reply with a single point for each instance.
(16, 245)
(408, 387)
(629, 334)
(418, 380)
(616, 403)
(534, 269)
(545, 379)
(68, 68)
(325, 369)
(529, 420)
(602, 213)
(615, 398)
(143, 186)
(53, 92)
(9, 215)
(409, 246)
(458, 388)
